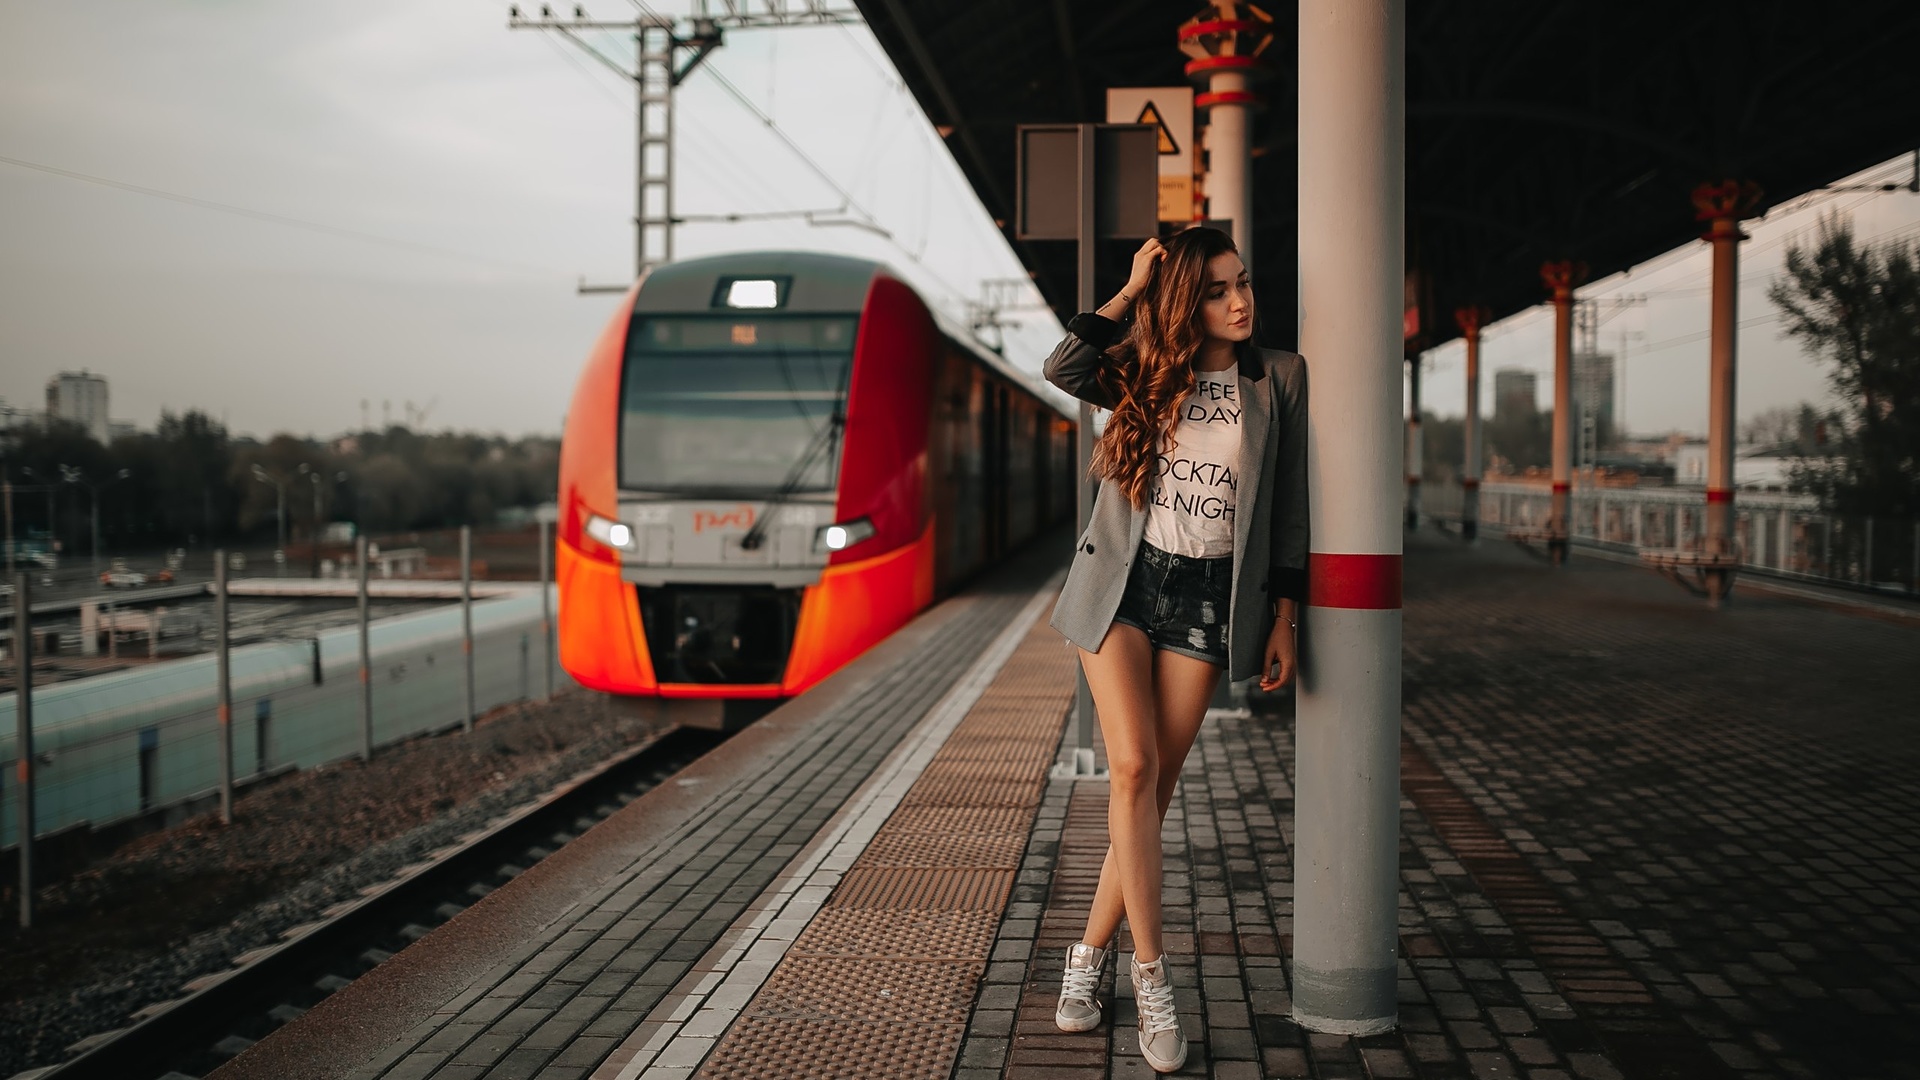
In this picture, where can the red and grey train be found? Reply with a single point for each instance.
(773, 461)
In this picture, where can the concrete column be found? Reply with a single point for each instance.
(1722, 206)
(1560, 279)
(1352, 126)
(1469, 320)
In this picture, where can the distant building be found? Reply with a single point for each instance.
(80, 398)
(122, 429)
(1592, 404)
(1514, 391)
(1755, 468)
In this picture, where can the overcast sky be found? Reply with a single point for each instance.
(471, 174)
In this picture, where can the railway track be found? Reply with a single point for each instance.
(223, 1013)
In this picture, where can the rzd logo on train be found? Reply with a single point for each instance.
(740, 517)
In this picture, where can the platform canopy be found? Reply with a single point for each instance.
(1535, 131)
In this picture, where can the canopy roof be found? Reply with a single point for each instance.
(1535, 131)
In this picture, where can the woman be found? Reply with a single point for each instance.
(1195, 561)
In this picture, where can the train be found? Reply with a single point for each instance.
(774, 460)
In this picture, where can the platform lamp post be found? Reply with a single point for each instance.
(546, 606)
(45, 483)
(74, 475)
(313, 529)
(23, 739)
(1225, 41)
(1352, 257)
(280, 512)
(466, 626)
(6, 487)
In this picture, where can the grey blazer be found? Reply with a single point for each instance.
(1270, 518)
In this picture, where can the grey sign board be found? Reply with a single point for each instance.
(1126, 163)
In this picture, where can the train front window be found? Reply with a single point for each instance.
(732, 406)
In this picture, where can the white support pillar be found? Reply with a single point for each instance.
(1230, 156)
(1352, 157)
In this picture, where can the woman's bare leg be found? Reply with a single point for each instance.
(1182, 689)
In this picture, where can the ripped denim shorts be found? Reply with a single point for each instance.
(1179, 602)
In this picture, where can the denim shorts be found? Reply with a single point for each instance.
(1179, 602)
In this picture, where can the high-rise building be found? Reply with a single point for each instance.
(80, 398)
(1514, 391)
(1592, 404)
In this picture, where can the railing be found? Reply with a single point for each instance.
(1774, 533)
(116, 746)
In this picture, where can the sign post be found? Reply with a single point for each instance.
(1085, 183)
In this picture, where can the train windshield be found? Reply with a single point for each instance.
(734, 406)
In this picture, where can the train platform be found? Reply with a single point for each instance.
(1639, 839)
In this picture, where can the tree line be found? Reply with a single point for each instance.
(189, 482)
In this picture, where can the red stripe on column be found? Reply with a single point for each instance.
(1719, 495)
(1369, 582)
(1560, 486)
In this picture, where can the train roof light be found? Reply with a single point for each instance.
(753, 293)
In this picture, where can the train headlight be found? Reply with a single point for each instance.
(614, 534)
(843, 535)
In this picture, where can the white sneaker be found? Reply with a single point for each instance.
(1079, 1009)
(1162, 1042)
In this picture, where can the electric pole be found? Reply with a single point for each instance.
(666, 51)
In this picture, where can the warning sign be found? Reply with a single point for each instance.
(1170, 110)
(1151, 115)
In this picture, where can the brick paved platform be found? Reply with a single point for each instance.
(707, 876)
(1640, 839)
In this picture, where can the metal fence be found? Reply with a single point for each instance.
(115, 746)
(1775, 533)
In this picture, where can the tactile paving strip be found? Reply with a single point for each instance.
(948, 790)
(999, 851)
(914, 888)
(902, 935)
(859, 988)
(881, 981)
(955, 819)
(836, 1049)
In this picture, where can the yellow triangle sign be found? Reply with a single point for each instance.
(1151, 115)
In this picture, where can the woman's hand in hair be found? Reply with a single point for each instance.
(1277, 664)
(1144, 260)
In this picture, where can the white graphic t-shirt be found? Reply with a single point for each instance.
(1190, 511)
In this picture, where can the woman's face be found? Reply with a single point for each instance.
(1226, 300)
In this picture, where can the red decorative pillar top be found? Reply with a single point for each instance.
(1470, 320)
(1724, 204)
(1562, 277)
(1226, 36)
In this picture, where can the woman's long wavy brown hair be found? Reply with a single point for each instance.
(1152, 373)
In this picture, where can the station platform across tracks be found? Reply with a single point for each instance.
(1638, 839)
